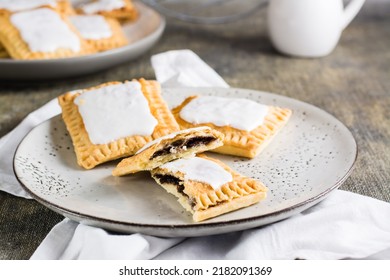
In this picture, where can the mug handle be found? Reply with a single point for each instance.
(351, 11)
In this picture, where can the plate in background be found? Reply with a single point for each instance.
(312, 155)
(142, 35)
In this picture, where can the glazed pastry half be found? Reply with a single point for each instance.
(206, 187)
(180, 144)
(248, 126)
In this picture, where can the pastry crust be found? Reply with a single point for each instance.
(203, 201)
(240, 142)
(118, 38)
(62, 6)
(3, 51)
(4, 54)
(126, 13)
(17, 48)
(88, 154)
(65, 7)
(184, 143)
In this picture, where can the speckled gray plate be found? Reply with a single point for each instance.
(309, 158)
(142, 35)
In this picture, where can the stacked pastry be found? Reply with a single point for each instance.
(43, 29)
(131, 120)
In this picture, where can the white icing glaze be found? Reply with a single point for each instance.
(102, 5)
(239, 113)
(92, 27)
(44, 31)
(200, 170)
(115, 111)
(21, 5)
(170, 136)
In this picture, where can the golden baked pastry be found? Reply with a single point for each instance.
(241, 142)
(205, 201)
(127, 12)
(116, 40)
(17, 48)
(4, 54)
(65, 7)
(88, 154)
(184, 143)
(3, 51)
(61, 6)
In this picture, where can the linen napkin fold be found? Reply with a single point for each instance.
(10, 142)
(344, 225)
(184, 68)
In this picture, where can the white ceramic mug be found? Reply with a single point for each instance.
(309, 28)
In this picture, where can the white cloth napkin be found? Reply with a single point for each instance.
(343, 226)
(185, 69)
(10, 142)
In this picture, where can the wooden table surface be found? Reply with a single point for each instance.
(353, 84)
